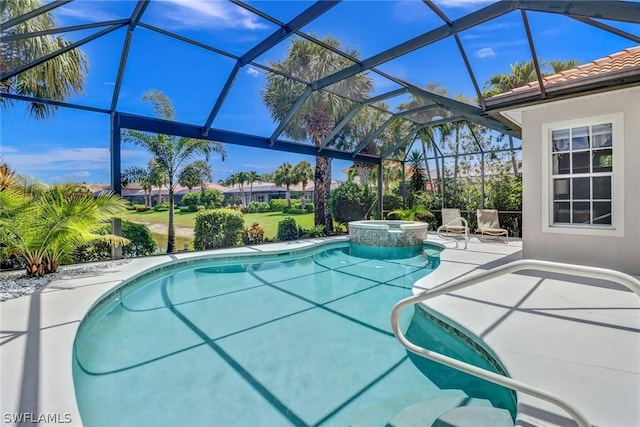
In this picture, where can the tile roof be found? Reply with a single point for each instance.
(617, 62)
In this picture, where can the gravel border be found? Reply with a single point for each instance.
(15, 283)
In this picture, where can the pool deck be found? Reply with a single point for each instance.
(577, 338)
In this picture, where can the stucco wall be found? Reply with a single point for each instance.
(620, 253)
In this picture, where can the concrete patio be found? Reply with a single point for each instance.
(577, 338)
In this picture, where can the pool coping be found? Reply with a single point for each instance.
(38, 331)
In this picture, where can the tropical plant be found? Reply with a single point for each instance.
(171, 153)
(151, 176)
(252, 176)
(318, 115)
(239, 179)
(7, 176)
(46, 229)
(253, 235)
(195, 174)
(57, 79)
(286, 175)
(304, 172)
(524, 72)
(415, 213)
(417, 181)
(351, 202)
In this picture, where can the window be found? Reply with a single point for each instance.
(260, 198)
(581, 160)
(582, 172)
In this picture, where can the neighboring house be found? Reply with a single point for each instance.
(265, 191)
(581, 162)
(134, 193)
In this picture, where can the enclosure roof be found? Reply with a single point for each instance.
(427, 63)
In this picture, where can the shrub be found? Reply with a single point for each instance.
(277, 205)
(141, 208)
(190, 208)
(191, 199)
(162, 207)
(211, 199)
(308, 207)
(141, 244)
(253, 235)
(288, 230)
(258, 207)
(350, 202)
(218, 228)
(315, 231)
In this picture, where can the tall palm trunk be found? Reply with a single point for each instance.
(287, 195)
(171, 234)
(321, 193)
(319, 126)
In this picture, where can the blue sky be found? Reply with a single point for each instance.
(73, 146)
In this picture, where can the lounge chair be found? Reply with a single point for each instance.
(452, 222)
(489, 224)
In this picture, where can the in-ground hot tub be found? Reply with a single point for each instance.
(388, 233)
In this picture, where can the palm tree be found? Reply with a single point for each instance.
(171, 153)
(45, 230)
(194, 174)
(521, 74)
(416, 173)
(252, 176)
(7, 176)
(304, 171)
(240, 178)
(426, 134)
(318, 115)
(286, 175)
(56, 79)
(149, 177)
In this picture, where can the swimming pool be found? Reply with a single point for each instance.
(289, 340)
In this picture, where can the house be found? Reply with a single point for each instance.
(581, 151)
(265, 191)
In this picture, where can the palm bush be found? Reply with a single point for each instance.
(44, 231)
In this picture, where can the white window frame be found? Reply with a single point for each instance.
(616, 229)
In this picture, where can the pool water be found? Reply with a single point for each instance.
(300, 341)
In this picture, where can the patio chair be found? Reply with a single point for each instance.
(489, 224)
(453, 223)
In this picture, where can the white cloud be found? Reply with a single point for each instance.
(7, 149)
(253, 72)
(202, 13)
(486, 52)
(80, 174)
(86, 11)
(67, 160)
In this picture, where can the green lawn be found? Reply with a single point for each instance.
(268, 221)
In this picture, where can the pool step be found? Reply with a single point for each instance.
(385, 410)
(427, 412)
(474, 416)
